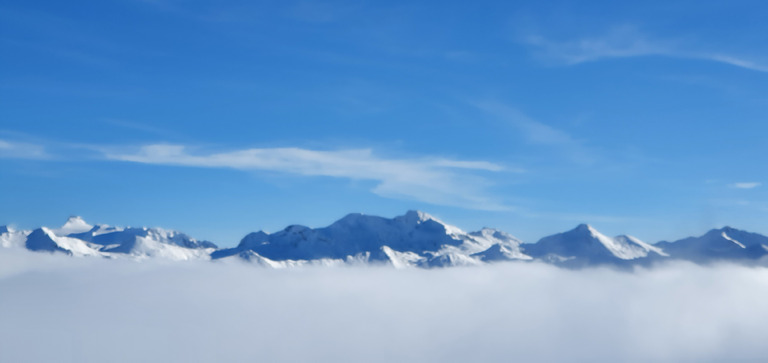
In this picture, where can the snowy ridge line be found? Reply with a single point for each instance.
(415, 239)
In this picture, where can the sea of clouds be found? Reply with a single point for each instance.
(61, 309)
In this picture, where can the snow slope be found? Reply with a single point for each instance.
(413, 239)
(584, 246)
(719, 244)
(146, 242)
(75, 224)
(44, 239)
(78, 238)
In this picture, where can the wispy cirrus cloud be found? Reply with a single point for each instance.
(539, 133)
(432, 180)
(746, 185)
(22, 150)
(626, 42)
(618, 43)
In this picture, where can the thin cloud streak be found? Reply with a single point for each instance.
(746, 185)
(22, 150)
(539, 133)
(626, 42)
(431, 180)
(620, 43)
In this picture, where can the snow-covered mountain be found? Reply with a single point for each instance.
(719, 244)
(78, 238)
(585, 246)
(44, 239)
(413, 239)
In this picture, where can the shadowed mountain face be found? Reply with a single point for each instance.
(416, 236)
(414, 239)
(718, 244)
(585, 246)
(43, 239)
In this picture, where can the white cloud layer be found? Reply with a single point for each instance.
(624, 42)
(81, 310)
(432, 180)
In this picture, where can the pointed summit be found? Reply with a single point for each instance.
(44, 239)
(584, 228)
(496, 235)
(723, 243)
(75, 219)
(354, 218)
(584, 245)
(499, 252)
(75, 224)
(413, 217)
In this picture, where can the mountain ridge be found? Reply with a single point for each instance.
(414, 239)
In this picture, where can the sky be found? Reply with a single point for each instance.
(219, 118)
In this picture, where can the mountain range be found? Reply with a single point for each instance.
(415, 239)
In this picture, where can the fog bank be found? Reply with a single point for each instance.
(55, 308)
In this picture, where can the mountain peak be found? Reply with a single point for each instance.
(720, 232)
(497, 252)
(585, 228)
(492, 233)
(74, 224)
(75, 221)
(415, 217)
(729, 229)
(584, 245)
(75, 218)
(414, 238)
(351, 218)
(253, 239)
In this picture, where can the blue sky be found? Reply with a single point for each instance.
(221, 118)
